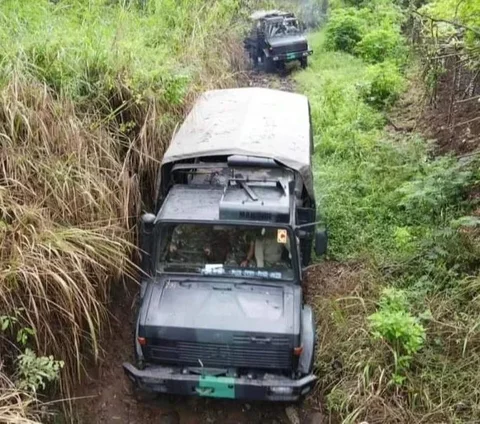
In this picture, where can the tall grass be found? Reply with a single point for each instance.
(409, 219)
(17, 407)
(90, 92)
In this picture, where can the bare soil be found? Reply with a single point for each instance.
(450, 116)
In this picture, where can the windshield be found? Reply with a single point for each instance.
(285, 27)
(236, 251)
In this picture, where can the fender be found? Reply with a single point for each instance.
(138, 350)
(308, 338)
(266, 52)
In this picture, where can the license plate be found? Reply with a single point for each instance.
(291, 55)
(217, 387)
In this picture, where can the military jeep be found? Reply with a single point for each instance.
(221, 310)
(276, 37)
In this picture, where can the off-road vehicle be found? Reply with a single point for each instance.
(276, 37)
(221, 309)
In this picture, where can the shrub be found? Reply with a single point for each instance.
(395, 325)
(440, 183)
(399, 328)
(384, 86)
(35, 371)
(344, 30)
(381, 44)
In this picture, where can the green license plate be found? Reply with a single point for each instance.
(291, 55)
(218, 387)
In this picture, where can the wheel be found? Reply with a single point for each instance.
(269, 65)
(257, 61)
(304, 62)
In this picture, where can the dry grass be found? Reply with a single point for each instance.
(65, 204)
(16, 407)
(86, 114)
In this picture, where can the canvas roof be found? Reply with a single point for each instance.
(247, 121)
(260, 14)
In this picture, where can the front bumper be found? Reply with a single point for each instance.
(169, 380)
(285, 57)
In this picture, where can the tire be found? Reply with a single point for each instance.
(269, 65)
(256, 62)
(304, 62)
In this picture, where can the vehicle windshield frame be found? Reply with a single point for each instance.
(296, 268)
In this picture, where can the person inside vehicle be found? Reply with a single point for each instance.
(239, 241)
(290, 26)
(266, 251)
(190, 243)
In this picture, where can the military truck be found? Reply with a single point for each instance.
(275, 38)
(221, 311)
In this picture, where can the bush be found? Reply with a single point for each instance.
(385, 84)
(395, 325)
(344, 30)
(34, 372)
(440, 184)
(379, 45)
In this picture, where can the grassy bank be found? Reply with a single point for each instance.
(399, 316)
(90, 92)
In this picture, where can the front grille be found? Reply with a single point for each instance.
(243, 353)
(290, 48)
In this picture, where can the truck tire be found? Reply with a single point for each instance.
(304, 62)
(308, 339)
(269, 65)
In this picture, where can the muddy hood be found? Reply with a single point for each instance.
(222, 325)
(173, 306)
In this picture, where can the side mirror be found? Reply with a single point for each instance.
(321, 242)
(146, 239)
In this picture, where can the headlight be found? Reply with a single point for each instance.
(279, 390)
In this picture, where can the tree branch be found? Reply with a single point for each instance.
(474, 30)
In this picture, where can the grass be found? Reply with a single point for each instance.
(16, 407)
(90, 92)
(409, 219)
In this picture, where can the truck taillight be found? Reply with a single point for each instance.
(142, 341)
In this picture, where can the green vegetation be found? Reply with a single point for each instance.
(344, 30)
(90, 92)
(400, 316)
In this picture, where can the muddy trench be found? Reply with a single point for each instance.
(106, 395)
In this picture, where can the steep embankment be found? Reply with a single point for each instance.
(398, 309)
(90, 92)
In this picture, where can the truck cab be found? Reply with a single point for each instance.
(221, 309)
(275, 38)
